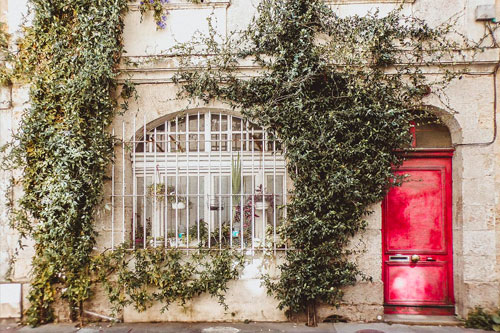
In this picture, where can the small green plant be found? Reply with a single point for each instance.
(236, 179)
(159, 190)
(480, 319)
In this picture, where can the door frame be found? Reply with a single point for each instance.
(436, 153)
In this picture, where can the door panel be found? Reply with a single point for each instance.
(417, 220)
(416, 231)
(409, 282)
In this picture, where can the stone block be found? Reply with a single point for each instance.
(480, 191)
(479, 243)
(479, 166)
(498, 268)
(4, 265)
(22, 264)
(485, 295)
(5, 97)
(365, 293)
(478, 217)
(367, 249)
(498, 243)
(10, 300)
(479, 268)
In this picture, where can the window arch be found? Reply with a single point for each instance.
(430, 133)
(207, 179)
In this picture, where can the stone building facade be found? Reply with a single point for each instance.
(475, 176)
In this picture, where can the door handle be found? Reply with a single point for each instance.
(415, 258)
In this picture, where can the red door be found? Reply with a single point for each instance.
(417, 243)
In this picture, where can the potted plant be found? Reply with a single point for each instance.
(178, 205)
(159, 190)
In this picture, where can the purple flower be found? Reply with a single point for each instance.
(151, 1)
(142, 3)
(161, 25)
(164, 18)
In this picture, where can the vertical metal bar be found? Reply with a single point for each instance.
(144, 193)
(198, 189)
(134, 186)
(220, 181)
(113, 197)
(264, 217)
(274, 195)
(165, 198)
(230, 148)
(179, 146)
(253, 188)
(188, 147)
(242, 213)
(285, 194)
(123, 182)
(154, 222)
(208, 129)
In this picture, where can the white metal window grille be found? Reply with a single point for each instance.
(201, 179)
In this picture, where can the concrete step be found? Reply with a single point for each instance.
(422, 320)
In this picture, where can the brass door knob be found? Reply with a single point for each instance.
(415, 258)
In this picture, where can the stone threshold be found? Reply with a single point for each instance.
(422, 320)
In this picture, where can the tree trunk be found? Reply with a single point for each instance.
(80, 314)
(311, 314)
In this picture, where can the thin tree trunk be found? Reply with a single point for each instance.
(80, 314)
(72, 311)
(312, 317)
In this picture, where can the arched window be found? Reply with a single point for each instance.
(431, 133)
(207, 179)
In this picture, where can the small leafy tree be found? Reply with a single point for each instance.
(337, 94)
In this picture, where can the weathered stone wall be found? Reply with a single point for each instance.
(476, 177)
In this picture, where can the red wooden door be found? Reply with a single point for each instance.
(417, 238)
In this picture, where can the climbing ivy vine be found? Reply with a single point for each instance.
(69, 56)
(339, 94)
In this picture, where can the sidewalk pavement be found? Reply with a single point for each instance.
(234, 328)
